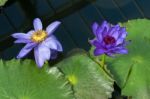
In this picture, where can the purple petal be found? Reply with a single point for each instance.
(122, 51)
(37, 24)
(110, 54)
(54, 54)
(52, 43)
(59, 46)
(105, 25)
(23, 41)
(25, 50)
(21, 36)
(111, 31)
(102, 30)
(44, 52)
(119, 41)
(94, 27)
(98, 51)
(104, 33)
(122, 30)
(110, 46)
(99, 34)
(117, 27)
(30, 32)
(123, 33)
(95, 43)
(39, 61)
(52, 27)
(119, 50)
(115, 35)
(41, 53)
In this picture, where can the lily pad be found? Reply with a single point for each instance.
(23, 80)
(88, 80)
(132, 71)
(2, 2)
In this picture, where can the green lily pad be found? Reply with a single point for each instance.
(89, 81)
(2, 2)
(132, 71)
(23, 80)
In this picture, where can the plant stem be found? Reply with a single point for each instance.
(103, 61)
(46, 62)
(103, 65)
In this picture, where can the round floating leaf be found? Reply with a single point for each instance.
(89, 81)
(23, 80)
(132, 71)
(2, 2)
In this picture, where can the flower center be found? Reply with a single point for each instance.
(39, 36)
(109, 40)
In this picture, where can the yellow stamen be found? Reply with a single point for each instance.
(39, 36)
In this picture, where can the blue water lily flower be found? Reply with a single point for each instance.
(109, 39)
(44, 43)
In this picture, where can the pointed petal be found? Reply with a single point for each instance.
(30, 32)
(52, 27)
(95, 43)
(117, 27)
(37, 24)
(119, 41)
(59, 46)
(41, 53)
(52, 43)
(39, 61)
(123, 33)
(23, 41)
(110, 54)
(113, 29)
(99, 33)
(44, 52)
(25, 50)
(122, 51)
(115, 35)
(104, 32)
(94, 27)
(54, 54)
(21, 36)
(105, 25)
(99, 52)
(103, 29)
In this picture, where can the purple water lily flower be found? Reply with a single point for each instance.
(109, 39)
(44, 43)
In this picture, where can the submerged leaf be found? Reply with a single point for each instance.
(2, 2)
(23, 80)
